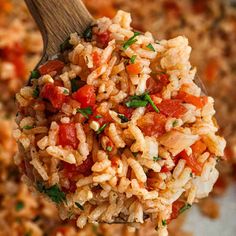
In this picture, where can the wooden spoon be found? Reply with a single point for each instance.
(57, 19)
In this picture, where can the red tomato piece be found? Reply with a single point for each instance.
(67, 135)
(53, 94)
(125, 111)
(50, 66)
(96, 59)
(177, 205)
(85, 96)
(172, 108)
(192, 162)
(198, 148)
(15, 55)
(152, 124)
(85, 167)
(164, 169)
(134, 69)
(198, 102)
(103, 38)
(101, 118)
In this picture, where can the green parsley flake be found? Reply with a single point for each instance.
(85, 111)
(136, 103)
(79, 206)
(28, 127)
(76, 84)
(184, 208)
(66, 45)
(148, 98)
(123, 118)
(53, 192)
(157, 158)
(164, 222)
(131, 40)
(36, 92)
(66, 91)
(109, 148)
(19, 206)
(98, 116)
(34, 74)
(133, 58)
(175, 123)
(88, 34)
(149, 46)
(101, 129)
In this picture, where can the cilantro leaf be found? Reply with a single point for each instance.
(131, 40)
(79, 206)
(133, 58)
(149, 46)
(85, 111)
(184, 208)
(101, 129)
(123, 118)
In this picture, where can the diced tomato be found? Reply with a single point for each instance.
(156, 85)
(164, 169)
(53, 94)
(50, 66)
(96, 59)
(15, 55)
(67, 135)
(86, 96)
(101, 118)
(198, 148)
(172, 108)
(103, 38)
(177, 205)
(85, 167)
(192, 162)
(199, 102)
(114, 161)
(125, 111)
(152, 124)
(212, 70)
(134, 69)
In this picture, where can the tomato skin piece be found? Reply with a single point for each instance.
(96, 59)
(156, 85)
(177, 205)
(198, 102)
(172, 108)
(192, 162)
(53, 94)
(152, 124)
(125, 111)
(134, 69)
(103, 38)
(50, 66)
(67, 135)
(198, 148)
(85, 96)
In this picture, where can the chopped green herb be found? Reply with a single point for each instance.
(136, 103)
(19, 205)
(28, 127)
(149, 46)
(98, 116)
(76, 84)
(175, 123)
(131, 40)
(88, 34)
(184, 208)
(36, 92)
(85, 111)
(29, 233)
(164, 222)
(133, 58)
(53, 192)
(66, 91)
(34, 74)
(66, 45)
(123, 118)
(191, 175)
(148, 98)
(79, 206)
(135, 154)
(109, 148)
(157, 158)
(100, 130)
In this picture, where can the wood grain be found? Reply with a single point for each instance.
(56, 19)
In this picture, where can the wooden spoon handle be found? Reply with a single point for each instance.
(57, 19)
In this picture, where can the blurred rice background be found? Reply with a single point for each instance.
(210, 26)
